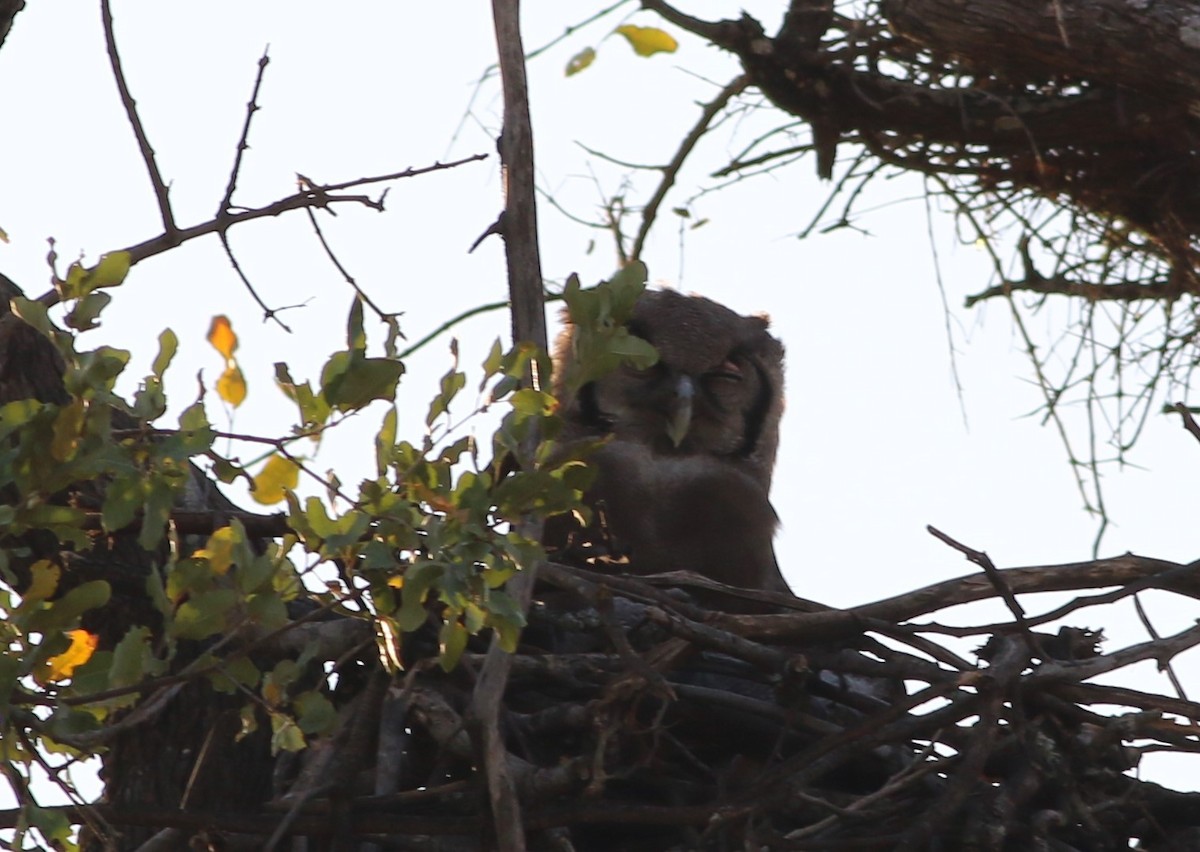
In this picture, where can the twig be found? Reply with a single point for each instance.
(671, 170)
(318, 196)
(1160, 650)
(243, 141)
(379, 312)
(450, 323)
(160, 188)
(1189, 422)
(997, 580)
(268, 313)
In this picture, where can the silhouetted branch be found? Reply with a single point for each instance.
(243, 140)
(160, 188)
(671, 170)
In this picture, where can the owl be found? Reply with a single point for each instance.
(682, 482)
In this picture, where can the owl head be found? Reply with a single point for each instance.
(716, 390)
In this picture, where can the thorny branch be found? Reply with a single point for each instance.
(244, 140)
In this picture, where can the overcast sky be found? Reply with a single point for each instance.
(877, 441)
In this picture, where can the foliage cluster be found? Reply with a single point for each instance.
(428, 543)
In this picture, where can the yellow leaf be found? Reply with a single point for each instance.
(278, 476)
(647, 41)
(581, 60)
(219, 551)
(221, 336)
(231, 387)
(62, 666)
(3, 236)
(43, 580)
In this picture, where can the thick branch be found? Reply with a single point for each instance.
(519, 228)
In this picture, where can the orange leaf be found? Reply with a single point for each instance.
(62, 666)
(221, 336)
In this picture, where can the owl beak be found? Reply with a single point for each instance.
(681, 414)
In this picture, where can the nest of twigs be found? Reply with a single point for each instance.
(637, 719)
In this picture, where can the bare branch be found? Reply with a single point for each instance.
(243, 141)
(268, 313)
(528, 324)
(671, 170)
(160, 188)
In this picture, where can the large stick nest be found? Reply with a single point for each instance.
(637, 720)
(1089, 107)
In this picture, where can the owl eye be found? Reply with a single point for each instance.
(728, 370)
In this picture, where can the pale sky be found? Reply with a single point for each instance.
(874, 443)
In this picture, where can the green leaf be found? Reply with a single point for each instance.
(65, 612)
(156, 511)
(286, 734)
(110, 271)
(122, 500)
(131, 658)
(528, 402)
(82, 317)
(493, 362)
(68, 429)
(194, 418)
(394, 333)
(225, 470)
(44, 576)
(149, 401)
(626, 287)
(452, 641)
(315, 714)
(580, 61)
(240, 671)
(356, 338)
(633, 349)
(52, 823)
(385, 442)
(98, 368)
(356, 381)
(451, 384)
(647, 41)
(167, 344)
(33, 312)
(601, 342)
(255, 575)
(204, 614)
(267, 609)
(314, 410)
(417, 581)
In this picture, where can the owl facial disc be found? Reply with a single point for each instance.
(681, 410)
